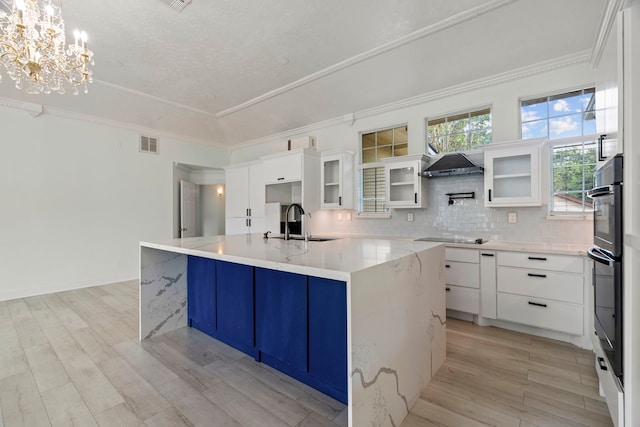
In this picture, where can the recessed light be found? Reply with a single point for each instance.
(283, 60)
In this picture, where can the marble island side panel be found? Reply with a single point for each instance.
(163, 291)
(397, 336)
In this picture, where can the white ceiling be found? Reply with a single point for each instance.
(227, 72)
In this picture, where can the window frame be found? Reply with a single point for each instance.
(373, 165)
(566, 142)
(560, 142)
(468, 112)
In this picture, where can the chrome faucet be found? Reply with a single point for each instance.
(286, 218)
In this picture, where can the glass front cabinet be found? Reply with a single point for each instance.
(512, 174)
(336, 180)
(404, 187)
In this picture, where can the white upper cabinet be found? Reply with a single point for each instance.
(512, 174)
(336, 180)
(609, 82)
(404, 187)
(283, 167)
(245, 198)
(293, 177)
(244, 191)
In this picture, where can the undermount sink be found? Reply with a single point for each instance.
(310, 239)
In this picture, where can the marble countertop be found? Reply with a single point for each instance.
(334, 259)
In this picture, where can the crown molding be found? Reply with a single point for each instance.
(289, 134)
(394, 44)
(496, 79)
(349, 119)
(27, 106)
(607, 20)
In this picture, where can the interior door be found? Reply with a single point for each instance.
(188, 199)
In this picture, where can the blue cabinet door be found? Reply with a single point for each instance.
(328, 336)
(201, 294)
(281, 320)
(235, 306)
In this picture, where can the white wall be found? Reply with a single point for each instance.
(472, 218)
(78, 197)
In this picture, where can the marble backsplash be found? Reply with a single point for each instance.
(465, 218)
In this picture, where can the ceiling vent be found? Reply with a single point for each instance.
(177, 5)
(148, 144)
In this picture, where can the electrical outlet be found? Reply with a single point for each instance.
(348, 216)
(410, 216)
(339, 216)
(513, 217)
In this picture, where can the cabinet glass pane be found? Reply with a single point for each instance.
(512, 187)
(514, 165)
(401, 182)
(331, 194)
(331, 172)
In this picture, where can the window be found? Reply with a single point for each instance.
(568, 121)
(459, 132)
(376, 146)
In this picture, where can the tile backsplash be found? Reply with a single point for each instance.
(467, 218)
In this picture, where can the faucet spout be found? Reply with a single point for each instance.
(286, 218)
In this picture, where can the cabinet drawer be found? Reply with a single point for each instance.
(463, 299)
(541, 313)
(610, 385)
(462, 255)
(283, 169)
(463, 274)
(565, 263)
(541, 284)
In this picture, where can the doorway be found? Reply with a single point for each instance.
(198, 201)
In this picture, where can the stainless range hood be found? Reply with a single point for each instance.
(451, 165)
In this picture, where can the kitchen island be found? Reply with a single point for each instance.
(385, 297)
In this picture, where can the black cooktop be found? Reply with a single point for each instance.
(452, 240)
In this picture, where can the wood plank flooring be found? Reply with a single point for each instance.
(73, 358)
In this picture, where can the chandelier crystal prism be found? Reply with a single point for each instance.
(33, 49)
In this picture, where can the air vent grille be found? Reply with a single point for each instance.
(148, 144)
(177, 4)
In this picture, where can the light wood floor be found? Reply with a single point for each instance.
(73, 358)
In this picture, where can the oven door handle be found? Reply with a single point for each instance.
(600, 191)
(598, 255)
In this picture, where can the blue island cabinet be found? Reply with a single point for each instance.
(292, 322)
(301, 328)
(201, 294)
(220, 296)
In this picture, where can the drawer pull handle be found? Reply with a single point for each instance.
(537, 258)
(603, 366)
(487, 254)
(536, 275)
(448, 289)
(447, 266)
(537, 304)
(281, 179)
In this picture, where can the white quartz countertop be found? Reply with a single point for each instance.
(536, 247)
(335, 259)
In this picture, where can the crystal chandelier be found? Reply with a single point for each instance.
(33, 49)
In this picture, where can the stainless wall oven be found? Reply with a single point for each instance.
(608, 257)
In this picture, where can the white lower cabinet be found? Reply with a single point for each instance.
(541, 290)
(463, 280)
(541, 313)
(610, 386)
